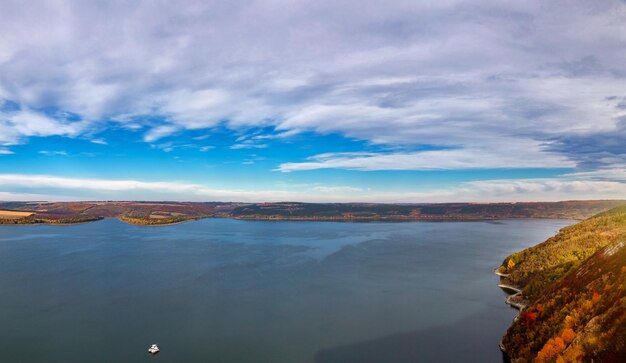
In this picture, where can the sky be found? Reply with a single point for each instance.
(315, 101)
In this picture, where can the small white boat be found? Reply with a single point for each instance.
(154, 349)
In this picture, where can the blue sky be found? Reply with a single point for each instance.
(404, 101)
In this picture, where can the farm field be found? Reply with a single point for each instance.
(10, 214)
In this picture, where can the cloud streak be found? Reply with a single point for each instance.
(463, 159)
(479, 191)
(479, 75)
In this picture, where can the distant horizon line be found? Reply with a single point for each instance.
(287, 201)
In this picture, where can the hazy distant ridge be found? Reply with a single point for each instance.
(153, 213)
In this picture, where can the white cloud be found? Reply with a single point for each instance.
(548, 189)
(472, 75)
(53, 153)
(159, 132)
(434, 160)
(18, 124)
(479, 191)
(507, 190)
(99, 141)
(336, 189)
(121, 188)
(616, 173)
(248, 144)
(195, 109)
(47, 181)
(22, 197)
(5, 151)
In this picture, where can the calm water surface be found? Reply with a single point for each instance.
(228, 291)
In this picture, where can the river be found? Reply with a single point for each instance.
(231, 291)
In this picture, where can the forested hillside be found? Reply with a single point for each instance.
(574, 291)
(441, 211)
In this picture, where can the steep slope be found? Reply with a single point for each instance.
(574, 291)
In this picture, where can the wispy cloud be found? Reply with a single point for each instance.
(18, 124)
(99, 141)
(53, 153)
(122, 188)
(458, 159)
(248, 144)
(551, 189)
(463, 74)
(159, 132)
(336, 189)
(616, 173)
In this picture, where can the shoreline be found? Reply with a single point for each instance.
(392, 219)
(516, 291)
(52, 223)
(296, 219)
(159, 224)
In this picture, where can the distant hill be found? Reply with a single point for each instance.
(574, 292)
(443, 211)
(152, 213)
(143, 213)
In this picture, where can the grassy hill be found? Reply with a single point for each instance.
(574, 290)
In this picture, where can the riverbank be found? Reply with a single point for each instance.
(51, 222)
(159, 222)
(516, 294)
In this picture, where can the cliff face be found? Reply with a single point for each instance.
(574, 287)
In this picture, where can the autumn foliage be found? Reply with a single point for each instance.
(575, 311)
(568, 335)
(595, 297)
(550, 350)
(529, 317)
